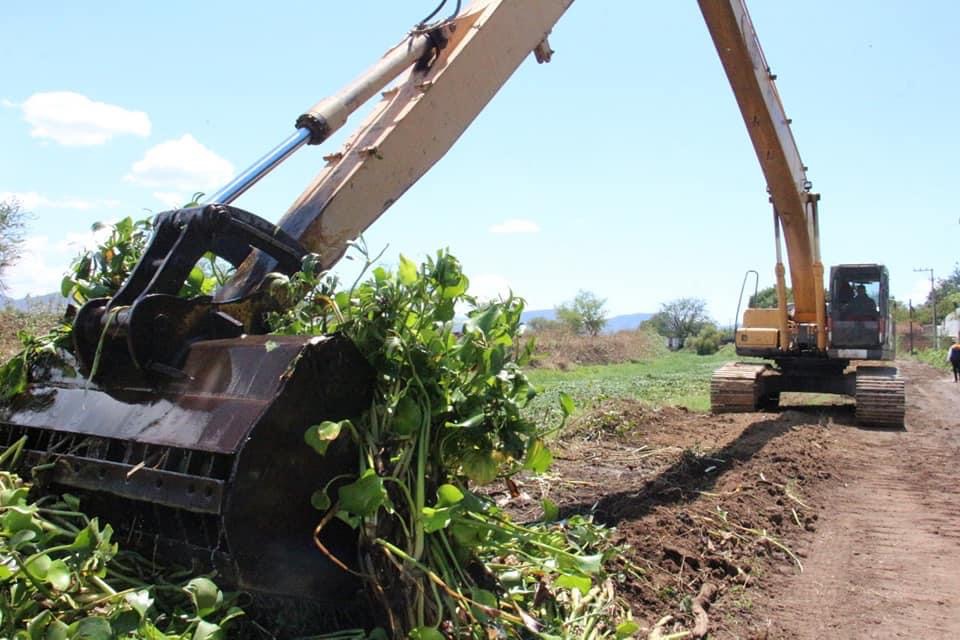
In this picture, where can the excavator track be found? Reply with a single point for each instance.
(881, 397)
(735, 388)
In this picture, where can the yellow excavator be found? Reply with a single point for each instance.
(184, 424)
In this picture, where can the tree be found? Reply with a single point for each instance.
(767, 298)
(681, 318)
(584, 315)
(11, 236)
(706, 342)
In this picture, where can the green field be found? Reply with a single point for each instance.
(679, 378)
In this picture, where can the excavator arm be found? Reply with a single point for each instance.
(794, 206)
(415, 123)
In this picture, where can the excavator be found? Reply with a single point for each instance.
(181, 421)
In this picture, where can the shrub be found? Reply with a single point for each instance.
(705, 343)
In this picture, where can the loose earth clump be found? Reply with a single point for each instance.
(706, 507)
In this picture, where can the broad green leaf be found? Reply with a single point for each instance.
(466, 535)
(589, 564)
(124, 623)
(320, 500)
(37, 626)
(407, 272)
(232, 614)
(483, 321)
(319, 436)
(364, 496)
(13, 378)
(480, 467)
(539, 457)
(551, 512)
(435, 519)
(195, 279)
(38, 566)
(56, 630)
(456, 290)
(573, 582)
(22, 537)
(93, 628)
(66, 286)
(206, 597)
(208, 631)
(448, 495)
(140, 601)
(408, 416)
(567, 405)
(425, 633)
(626, 629)
(14, 497)
(58, 575)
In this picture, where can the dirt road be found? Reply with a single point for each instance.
(807, 525)
(885, 562)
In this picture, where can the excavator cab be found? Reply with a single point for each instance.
(859, 312)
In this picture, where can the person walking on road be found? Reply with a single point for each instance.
(953, 357)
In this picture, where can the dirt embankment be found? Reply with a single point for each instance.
(795, 524)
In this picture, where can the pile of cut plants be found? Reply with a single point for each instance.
(436, 557)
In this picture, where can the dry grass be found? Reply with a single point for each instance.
(562, 349)
(12, 322)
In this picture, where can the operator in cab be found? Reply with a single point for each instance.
(862, 303)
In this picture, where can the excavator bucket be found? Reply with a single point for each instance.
(211, 468)
(190, 441)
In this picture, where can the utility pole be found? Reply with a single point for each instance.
(933, 299)
(912, 351)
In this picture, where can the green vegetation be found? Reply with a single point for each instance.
(11, 235)
(679, 378)
(935, 357)
(585, 315)
(707, 342)
(447, 416)
(767, 298)
(62, 577)
(681, 318)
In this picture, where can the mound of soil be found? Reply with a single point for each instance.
(755, 525)
(561, 349)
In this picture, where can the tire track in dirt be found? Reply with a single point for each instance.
(885, 562)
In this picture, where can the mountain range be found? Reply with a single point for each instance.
(56, 302)
(627, 322)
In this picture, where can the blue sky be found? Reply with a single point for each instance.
(625, 158)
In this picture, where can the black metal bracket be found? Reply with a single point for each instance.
(148, 325)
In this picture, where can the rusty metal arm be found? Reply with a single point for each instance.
(416, 122)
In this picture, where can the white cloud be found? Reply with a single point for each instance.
(39, 270)
(171, 199)
(31, 201)
(515, 225)
(489, 286)
(73, 119)
(183, 164)
(8, 104)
